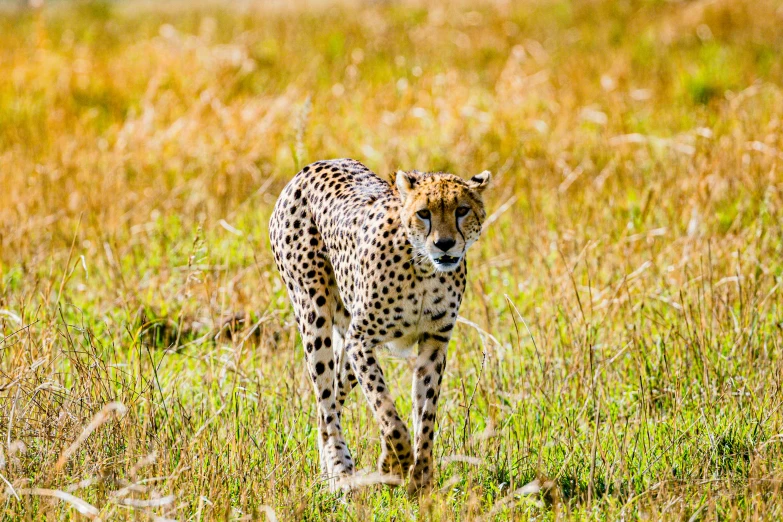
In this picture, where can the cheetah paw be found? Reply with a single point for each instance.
(391, 464)
(420, 480)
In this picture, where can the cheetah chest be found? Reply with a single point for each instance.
(432, 311)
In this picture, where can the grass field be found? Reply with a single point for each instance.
(625, 358)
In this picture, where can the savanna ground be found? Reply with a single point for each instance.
(625, 357)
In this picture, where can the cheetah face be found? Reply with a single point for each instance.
(442, 215)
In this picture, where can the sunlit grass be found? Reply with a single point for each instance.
(626, 295)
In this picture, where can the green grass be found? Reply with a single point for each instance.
(629, 281)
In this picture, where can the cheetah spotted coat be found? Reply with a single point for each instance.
(358, 279)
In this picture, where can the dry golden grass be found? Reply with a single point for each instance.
(623, 350)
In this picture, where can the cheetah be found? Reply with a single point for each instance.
(369, 264)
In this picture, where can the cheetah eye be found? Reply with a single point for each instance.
(424, 214)
(462, 211)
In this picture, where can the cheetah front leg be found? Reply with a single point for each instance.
(430, 364)
(395, 440)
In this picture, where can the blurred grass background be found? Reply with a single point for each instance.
(627, 354)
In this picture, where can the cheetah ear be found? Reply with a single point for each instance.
(404, 182)
(480, 181)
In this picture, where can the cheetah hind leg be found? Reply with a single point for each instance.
(315, 323)
(345, 381)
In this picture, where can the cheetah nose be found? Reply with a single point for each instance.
(445, 243)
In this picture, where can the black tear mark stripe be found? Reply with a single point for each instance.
(459, 229)
(429, 221)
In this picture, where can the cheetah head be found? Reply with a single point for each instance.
(442, 214)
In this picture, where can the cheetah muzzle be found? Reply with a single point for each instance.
(369, 264)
